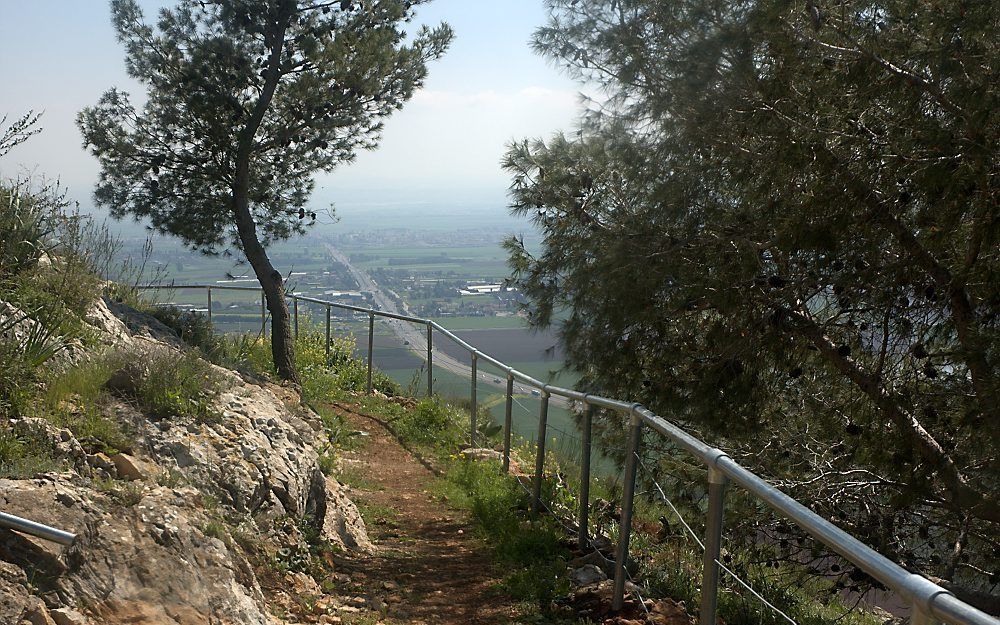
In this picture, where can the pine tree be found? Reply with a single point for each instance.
(246, 100)
(781, 228)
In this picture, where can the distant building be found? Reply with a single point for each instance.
(482, 289)
(348, 295)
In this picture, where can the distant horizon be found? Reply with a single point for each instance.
(444, 146)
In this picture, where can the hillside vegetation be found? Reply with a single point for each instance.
(119, 424)
(196, 495)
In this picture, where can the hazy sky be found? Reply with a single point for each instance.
(446, 143)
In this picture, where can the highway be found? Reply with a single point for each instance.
(415, 336)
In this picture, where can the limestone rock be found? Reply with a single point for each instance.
(153, 551)
(480, 454)
(130, 468)
(37, 613)
(586, 575)
(15, 323)
(100, 316)
(144, 552)
(127, 327)
(68, 616)
(101, 461)
(13, 598)
(61, 440)
(342, 523)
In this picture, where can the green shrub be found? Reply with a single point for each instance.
(35, 225)
(26, 225)
(339, 432)
(327, 462)
(192, 327)
(532, 551)
(178, 385)
(75, 399)
(309, 555)
(215, 529)
(23, 456)
(27, 342)
(248, 352)
(432, 421)
(325, 376)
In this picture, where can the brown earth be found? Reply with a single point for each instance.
(428, 567)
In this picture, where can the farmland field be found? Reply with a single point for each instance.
(509, 345)
(397, 257)
(455, 323)
(478, 263)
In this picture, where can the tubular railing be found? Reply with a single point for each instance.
(38, 530)
(929, 602)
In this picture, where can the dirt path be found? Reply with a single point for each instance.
(428, 568)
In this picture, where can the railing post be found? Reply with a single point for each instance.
(328, 331)
(430, 360)
(472, 396)
(507, 422)
(263, 314)
(628, 496)
(536, 490)
(371, 348)
(713, 542)
(209, 290)
(588, 427)
(295, 314)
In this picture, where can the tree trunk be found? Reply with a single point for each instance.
(282, 343)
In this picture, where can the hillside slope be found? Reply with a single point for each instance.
(187, 526)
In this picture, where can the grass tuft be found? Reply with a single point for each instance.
(24, 456)
(179, 385)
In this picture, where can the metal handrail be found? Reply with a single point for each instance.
(39, 530)
(930, 603)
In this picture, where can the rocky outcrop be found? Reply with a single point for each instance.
(167, 533)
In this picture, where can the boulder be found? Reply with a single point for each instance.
(130, 468)
(125, 380)
(594, 559)
(102, 462)
(146, 555)
(61, 440)
(153, 551)
(342, 523)
(68, 616)
(125, 327)
(37, 613)
(586, 575)
(484, 454)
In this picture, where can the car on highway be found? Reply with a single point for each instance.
(535, 392)
(496, 380)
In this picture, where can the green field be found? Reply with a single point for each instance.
(480, 323)
(506, 337)
(474, 263)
